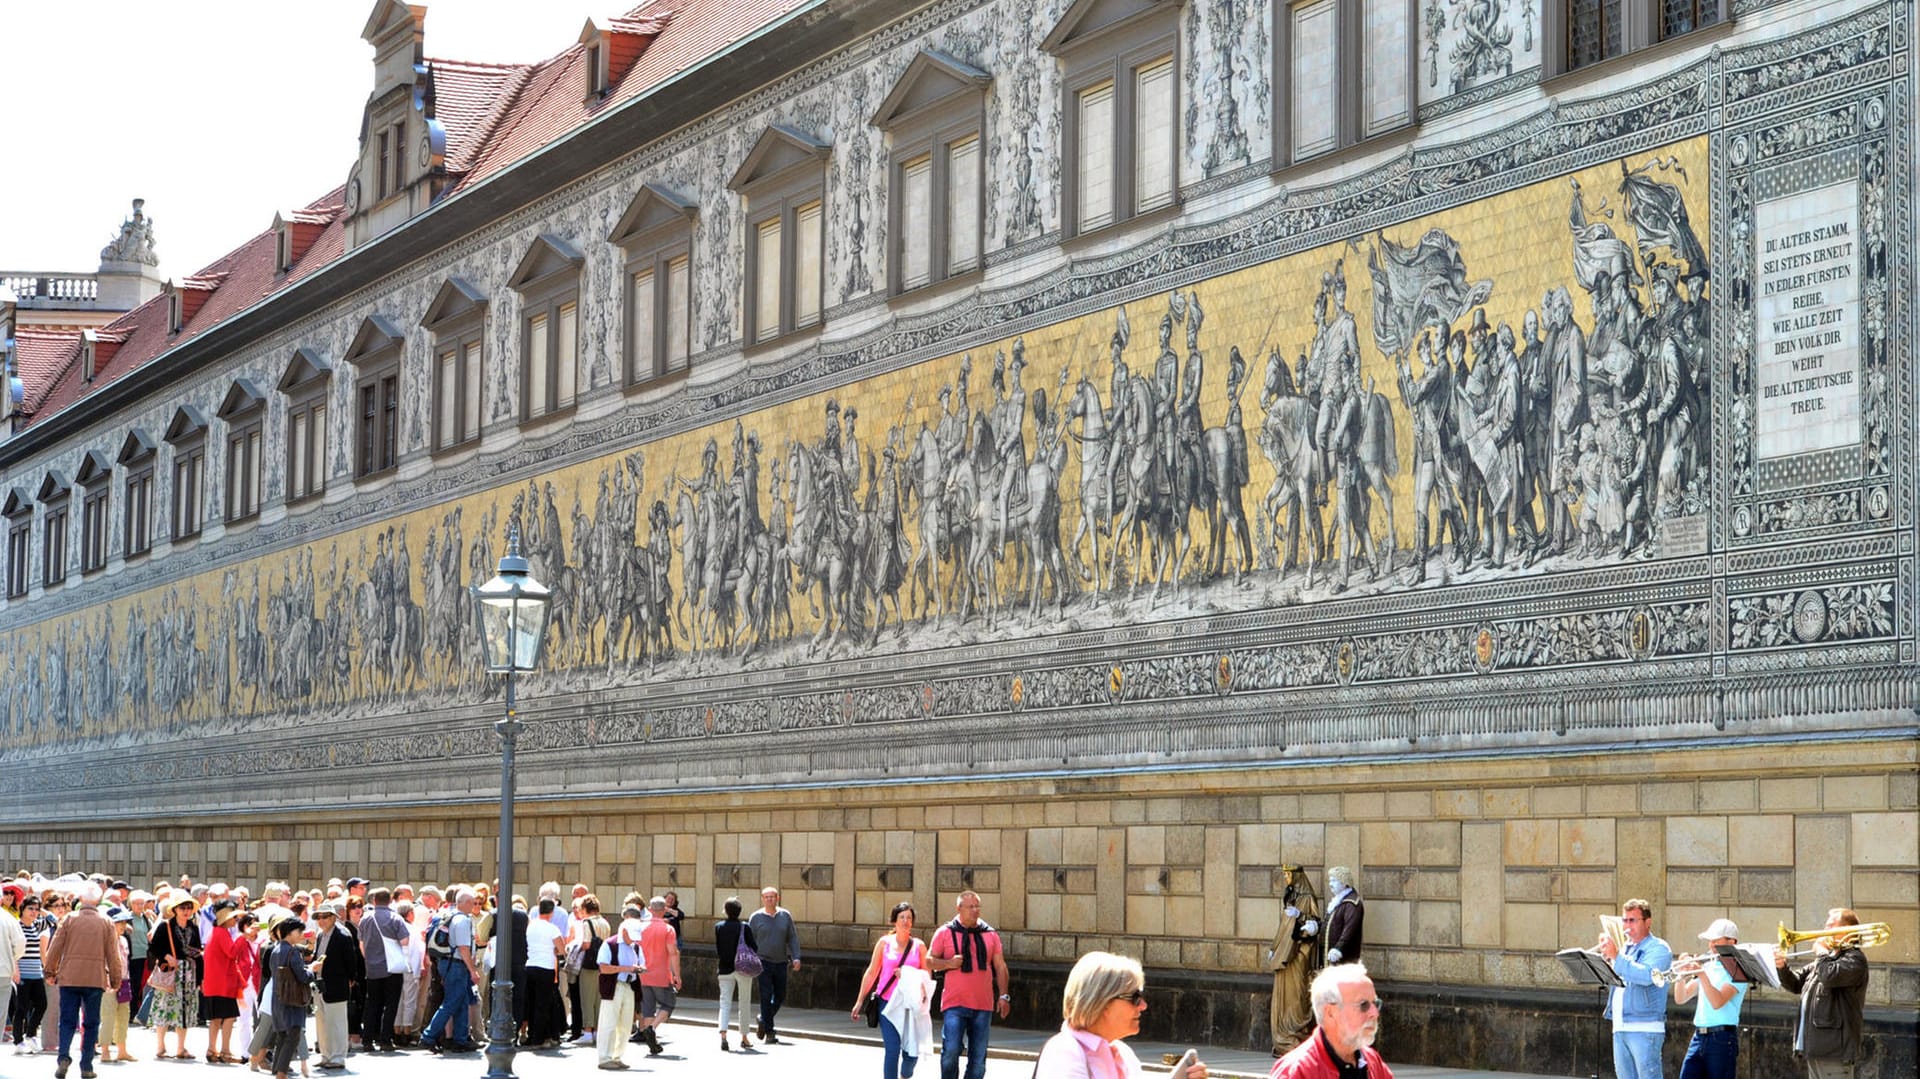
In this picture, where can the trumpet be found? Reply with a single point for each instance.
(1870, 935)
(1684, 966)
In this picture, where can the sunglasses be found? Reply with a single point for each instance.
(1135, 998)
(1366, 1006)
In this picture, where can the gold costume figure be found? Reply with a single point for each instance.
(1292, 959)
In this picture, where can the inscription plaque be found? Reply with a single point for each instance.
(1807, 344)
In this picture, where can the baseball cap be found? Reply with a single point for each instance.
(1721, 927)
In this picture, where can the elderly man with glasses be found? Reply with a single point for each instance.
(1348, 1014)
(1638, 1009)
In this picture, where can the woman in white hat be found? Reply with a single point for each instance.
(176, 994)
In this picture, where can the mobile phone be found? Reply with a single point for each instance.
(1187, 1061)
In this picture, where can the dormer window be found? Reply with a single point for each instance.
(282, 248)
(548, 280)
(176, 316)
(610, 50)
(305, 385)
(596, 70)
(783, 181)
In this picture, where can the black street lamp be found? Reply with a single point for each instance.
(511, 612)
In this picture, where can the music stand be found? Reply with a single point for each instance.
(1587, 968)
(1746, 966)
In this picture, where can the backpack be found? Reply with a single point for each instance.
(440, 936)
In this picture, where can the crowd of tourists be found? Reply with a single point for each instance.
(299, 978)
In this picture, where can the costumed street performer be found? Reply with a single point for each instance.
(1292, 959)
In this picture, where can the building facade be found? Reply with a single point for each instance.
(1095, 453)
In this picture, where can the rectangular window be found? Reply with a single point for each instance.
(642, 301)
(766, 292)
(916, 235)
(1685, 16)
(807, 240)
(243, 473)
(53, 564)
(963, 206)
(1384, 76)
(189, 471)
(139, 536)
(679, 301)
(1315, 67)
(1096, 157)
(1594, 31)
(399, 156)
(386, 164)
(19, 543)
(446, 395)
(1153, 136)
(469, 391)
(538, 403)
(566, 355)
(299, 480)
(93, 529)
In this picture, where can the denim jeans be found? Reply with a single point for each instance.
(1712, 1054)
(73, 1002)
(893, 1063)
(773, 992)
(971, 1023)
(1637, 1055)
(455, 1004)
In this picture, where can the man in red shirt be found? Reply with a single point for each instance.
(660, 981)
(1349, 1017)
(968, 951)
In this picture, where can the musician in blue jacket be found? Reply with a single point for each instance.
(1639, 1008)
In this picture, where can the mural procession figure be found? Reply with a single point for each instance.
(1545, 438)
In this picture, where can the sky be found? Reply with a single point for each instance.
(219, 113)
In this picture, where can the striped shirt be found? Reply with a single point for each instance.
(30, 959)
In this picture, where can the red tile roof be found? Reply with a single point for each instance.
(495, 115)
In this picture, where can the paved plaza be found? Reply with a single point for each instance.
(813, 1043)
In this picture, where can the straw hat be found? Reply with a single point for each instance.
(174, 901)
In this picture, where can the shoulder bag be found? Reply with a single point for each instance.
(874, 1001)
(745, 959)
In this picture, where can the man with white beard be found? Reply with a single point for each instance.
(1349, 1017)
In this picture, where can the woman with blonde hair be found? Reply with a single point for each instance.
(1105, 997)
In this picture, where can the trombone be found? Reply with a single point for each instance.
(1870, 935)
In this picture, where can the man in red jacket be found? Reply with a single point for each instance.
(84, 958)
(1349, 1018)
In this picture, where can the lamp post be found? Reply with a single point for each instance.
(511, 613)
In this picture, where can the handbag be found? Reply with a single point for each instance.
(872, 1007)
(745, 959)
(396, 954)
(164, 980)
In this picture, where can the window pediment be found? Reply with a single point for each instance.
(932, 78)
(18, 503)
(243, 399)
(187, 423)
(653, 207)
(456, 299)
(136, 448)
(54, 487)
(375, 336)
(94, 467)
(305, 369)
(550, 256)
(779, 150)
(1086, 22)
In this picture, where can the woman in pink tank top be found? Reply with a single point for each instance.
(892, 951)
